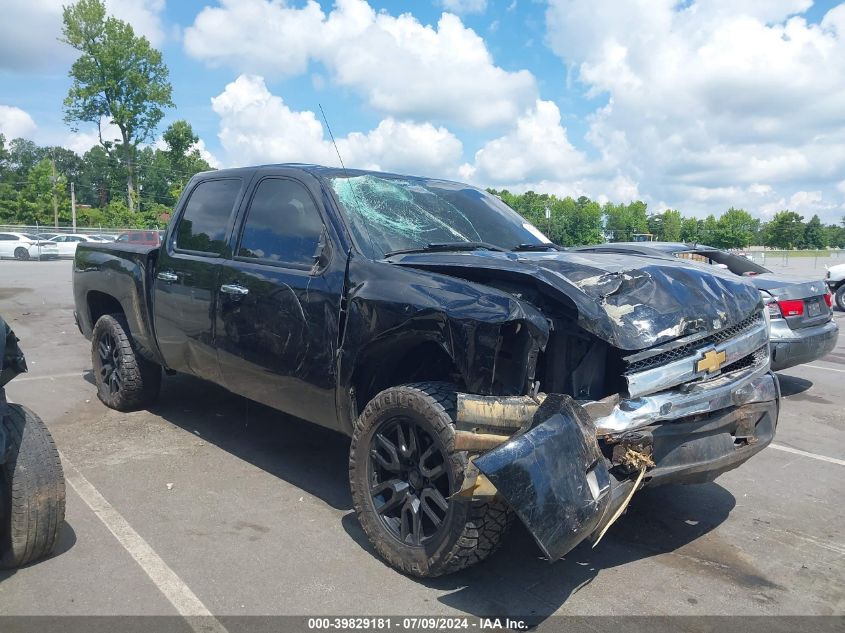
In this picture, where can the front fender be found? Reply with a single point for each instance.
(392, 309)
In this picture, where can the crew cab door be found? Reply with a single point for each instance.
(186, 281)
(279, 297)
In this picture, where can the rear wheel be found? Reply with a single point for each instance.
(125, 379)
(21, 253)
(32, 490)
(403, 470)
(840, 297)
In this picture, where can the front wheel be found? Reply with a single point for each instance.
(32, 489)
(126, 381)
(840, 296)
(403, 470)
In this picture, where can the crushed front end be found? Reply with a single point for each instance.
(686, 412)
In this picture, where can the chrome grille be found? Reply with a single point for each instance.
(688, 349)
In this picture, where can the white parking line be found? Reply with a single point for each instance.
(841, 371)
(197, 615)
(75, 374)
(823, 458)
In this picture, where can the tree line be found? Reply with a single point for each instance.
(572, 222)
(36, 181)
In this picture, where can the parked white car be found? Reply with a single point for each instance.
(835, 280)
(26, 246)
(67, 243)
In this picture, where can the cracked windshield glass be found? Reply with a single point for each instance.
(395, 214)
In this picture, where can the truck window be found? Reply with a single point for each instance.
(282, 225)
(202, 226)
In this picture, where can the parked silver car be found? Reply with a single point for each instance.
(802, 326)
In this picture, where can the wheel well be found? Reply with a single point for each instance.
(99, 303)
(393, 365)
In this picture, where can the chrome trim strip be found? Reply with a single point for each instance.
(683, 370)
(744, 386)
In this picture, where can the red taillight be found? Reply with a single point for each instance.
(828, 299)
(792, 307)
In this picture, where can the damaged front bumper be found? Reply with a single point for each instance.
(564, 473)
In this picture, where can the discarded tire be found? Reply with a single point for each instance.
(32, 489)
(403, 469)
(125, 380)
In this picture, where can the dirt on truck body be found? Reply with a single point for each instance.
(479, 370)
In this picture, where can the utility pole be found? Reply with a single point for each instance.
(73, 206)
(53, 180)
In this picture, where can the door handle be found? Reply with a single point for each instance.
(234, 289)
(166, 276)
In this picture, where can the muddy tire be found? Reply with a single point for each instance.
(21, 253)
(32, 490)
(839, 297)
(126, 381)
(402, 470)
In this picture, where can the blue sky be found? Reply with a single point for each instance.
(697, 105)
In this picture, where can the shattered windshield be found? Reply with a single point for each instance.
(390, 214)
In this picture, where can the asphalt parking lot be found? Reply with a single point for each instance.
(258, 518)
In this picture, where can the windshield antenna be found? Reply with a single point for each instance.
(346, 174)
(331, 136)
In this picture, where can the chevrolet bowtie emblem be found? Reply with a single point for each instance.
(711, 361)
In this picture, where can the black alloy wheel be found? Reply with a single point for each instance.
(109, 354)
(410, 481)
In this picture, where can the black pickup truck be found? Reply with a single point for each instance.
(480, 371)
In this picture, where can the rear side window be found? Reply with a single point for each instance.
(205, 220)
(282, 225)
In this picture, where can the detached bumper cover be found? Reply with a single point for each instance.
(793, 347)
(553, 476)
(556, 478)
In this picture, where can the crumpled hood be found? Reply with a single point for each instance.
(632, 302)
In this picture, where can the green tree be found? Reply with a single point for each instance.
(785, 230)
(734, 229)
(622, 221)
(835, 235)
(118, 77)
(584, 222)
(34, 203)
(666, 226)
(691, 230)
(814, 234)
(708, 229)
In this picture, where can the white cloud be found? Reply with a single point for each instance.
(206, 155)
(464, 7)
(30, 30)
(713, 102)
(400, 66)
(257, 126)
(83, 140)
(537, 148)
(15, 123)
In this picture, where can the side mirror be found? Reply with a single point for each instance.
(322, 254)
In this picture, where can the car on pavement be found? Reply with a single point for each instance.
(835, 280)
(802, 325)
(67, 242)
(26, 246)
(140, 238)
(480, 371)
